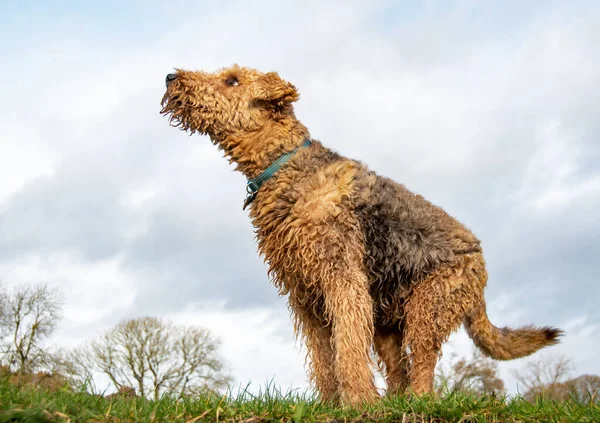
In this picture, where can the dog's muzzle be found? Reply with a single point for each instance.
(170, 78)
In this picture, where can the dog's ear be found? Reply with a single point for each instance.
(270, 87)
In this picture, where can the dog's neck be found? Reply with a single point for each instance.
(253, 152)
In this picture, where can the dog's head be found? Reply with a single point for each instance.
(228, 102)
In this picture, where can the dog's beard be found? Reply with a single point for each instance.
(183, 116)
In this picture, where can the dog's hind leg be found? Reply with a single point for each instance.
(434, 310)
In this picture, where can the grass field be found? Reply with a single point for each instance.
(36, 405)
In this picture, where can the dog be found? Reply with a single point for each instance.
(364, 262)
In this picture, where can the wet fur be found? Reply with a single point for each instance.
(364, 262)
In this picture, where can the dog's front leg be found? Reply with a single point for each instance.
(317, 337)
(390, 349)
(349, 308)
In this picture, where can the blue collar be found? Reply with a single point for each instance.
(254, 185)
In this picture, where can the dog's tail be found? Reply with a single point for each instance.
(506, 343)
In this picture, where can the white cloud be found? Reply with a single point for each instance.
(21, 161)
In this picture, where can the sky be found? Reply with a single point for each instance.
(488, 109)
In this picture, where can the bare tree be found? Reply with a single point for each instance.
(544, 377)
(28, 315)
(76, 366)
(478, 374)
(547, 377)
(157, 358)
(585, 388)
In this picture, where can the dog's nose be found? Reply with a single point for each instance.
(170, 78)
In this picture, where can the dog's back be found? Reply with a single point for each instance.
(406, 236)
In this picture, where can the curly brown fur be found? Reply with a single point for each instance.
(393, 358)
(364, 262)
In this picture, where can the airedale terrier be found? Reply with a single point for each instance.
(365, 263)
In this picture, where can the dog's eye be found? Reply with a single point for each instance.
(232, 81)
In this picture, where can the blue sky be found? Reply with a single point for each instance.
(139, 24)
(487, 109)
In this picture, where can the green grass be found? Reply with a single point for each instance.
(36, 405)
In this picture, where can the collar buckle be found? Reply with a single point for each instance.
(252, 187)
